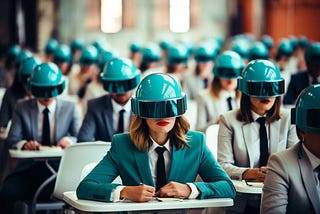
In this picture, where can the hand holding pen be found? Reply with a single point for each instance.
(141, 193)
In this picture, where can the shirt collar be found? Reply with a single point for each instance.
(225, 94)
(255, 116)
(51, 107)
(116, 107)
(154, 145)
(315, 161)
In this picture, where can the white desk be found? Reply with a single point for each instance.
(41, 155)
(126, 205)
(242, 187)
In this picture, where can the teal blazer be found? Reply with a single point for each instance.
(132, 165)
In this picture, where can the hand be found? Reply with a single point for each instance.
(255, 174)
(174, 189)
(141, 193)
(31, 145)
(63, 143)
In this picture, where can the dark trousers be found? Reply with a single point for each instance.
(22, 185)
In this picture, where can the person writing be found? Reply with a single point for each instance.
(159, 152)
(292, 183)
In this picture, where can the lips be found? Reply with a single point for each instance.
(265, 101)
(162, 123)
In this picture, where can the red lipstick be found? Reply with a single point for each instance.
(162, 123)
(265, 101)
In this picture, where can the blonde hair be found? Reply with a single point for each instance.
(139, 132)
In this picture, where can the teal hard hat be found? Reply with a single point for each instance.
(165, 44)
(46, 81)
(120, 75)
(312, 54)
(13, 52)
(294, 42)
(24, 54)
(159, 96)
(26, 68)
(240, 46)
(303, 41)
(62, 55)
(206, 52)
(89, 56)
(258, 51)
(135, 46)
(285, 48)
(151, 53)
(267, 41)
(306, 114)
(76, 44)
(261, 78)
(228, 65)
(51, 46)
(105, 56)
(177, 54)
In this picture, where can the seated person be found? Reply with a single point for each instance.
(159, 156)
(44, 120)
(292, 183)
(111, 113)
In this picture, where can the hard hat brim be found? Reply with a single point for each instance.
(261, 89)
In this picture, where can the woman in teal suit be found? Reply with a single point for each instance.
(158, 121)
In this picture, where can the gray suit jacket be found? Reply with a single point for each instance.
(236, 148)
(289, 186)
(98, 121)
(25, 122)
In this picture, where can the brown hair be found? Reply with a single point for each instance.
(244, 113)
(215, 88)
(139, 132)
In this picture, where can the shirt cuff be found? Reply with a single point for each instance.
(19, 145)
(115, 194)
(194, 191)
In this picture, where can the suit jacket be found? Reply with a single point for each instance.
(98, 122)
(297, 83)
(132, 165)
(25, 123)
(289, 186)
(236, 148)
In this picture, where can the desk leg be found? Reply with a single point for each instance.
(41, 187)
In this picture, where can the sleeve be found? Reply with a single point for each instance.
(97, 185)
(225, 149)
(75, 123)
(88, 127)
(5, 113)
(216, 183)
(202, 116)
(274, 198)
(290, 96)
(16, 130)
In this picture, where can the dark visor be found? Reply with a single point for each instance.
(263, 89)
(121, 86)
(46, 91)
(159, 109)
(228, 73)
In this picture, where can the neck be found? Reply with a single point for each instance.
(160, 138)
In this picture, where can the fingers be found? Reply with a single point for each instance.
(174, 189)
(31, 145)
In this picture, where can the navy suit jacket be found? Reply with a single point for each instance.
(132, 165)
(98, 121)
(297, 83)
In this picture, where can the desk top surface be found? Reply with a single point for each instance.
(50, 153)
(96, 206)
(249, 187)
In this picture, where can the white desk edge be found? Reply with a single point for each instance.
(242, 187)
(35, 154)
(96, 206)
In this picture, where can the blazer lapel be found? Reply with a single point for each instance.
(246, 130)
(107, 115)
(142, 164)
(308, 181)
(274, 136)
(33, 114)
(176, 162)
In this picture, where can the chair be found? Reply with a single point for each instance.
(73, 160)
(212, 139)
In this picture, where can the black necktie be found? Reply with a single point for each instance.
(205, 82)
(46, 128)
(314, 81)
(161, 171)
(229, 99)
(264, 154)
(121, 121)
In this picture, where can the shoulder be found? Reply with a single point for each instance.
(195, 137)
(300, 75)
(122, 140)
(100, 100)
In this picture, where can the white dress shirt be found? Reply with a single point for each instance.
(126, 116)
